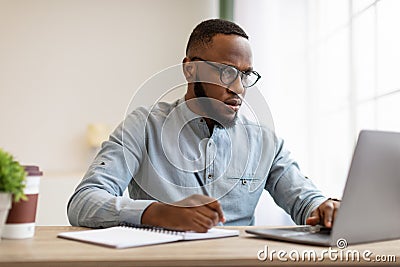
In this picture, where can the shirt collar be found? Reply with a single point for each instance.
(187, 113)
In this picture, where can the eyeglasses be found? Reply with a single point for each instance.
(228, 74)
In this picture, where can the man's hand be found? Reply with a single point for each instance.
(195, 213)
(325, 214)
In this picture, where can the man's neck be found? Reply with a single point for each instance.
(194, 107)
(210, 125)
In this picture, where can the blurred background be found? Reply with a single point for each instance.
(68, 69)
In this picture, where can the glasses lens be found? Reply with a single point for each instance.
(249, 79)
(228, 74)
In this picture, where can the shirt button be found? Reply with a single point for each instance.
(244, 182)
(210, 176)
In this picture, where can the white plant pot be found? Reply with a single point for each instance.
(5, 205)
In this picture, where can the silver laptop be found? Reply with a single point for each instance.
(370, 208)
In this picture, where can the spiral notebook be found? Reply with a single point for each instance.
(138, 235)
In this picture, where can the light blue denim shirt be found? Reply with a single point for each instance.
(155, 151)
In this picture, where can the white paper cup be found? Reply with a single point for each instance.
(21, 218)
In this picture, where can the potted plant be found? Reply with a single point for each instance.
(12, 184)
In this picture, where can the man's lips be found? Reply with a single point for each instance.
(233, 104)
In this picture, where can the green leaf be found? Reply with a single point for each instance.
(12, 176)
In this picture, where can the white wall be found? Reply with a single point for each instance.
(67, 63)
(54, 194)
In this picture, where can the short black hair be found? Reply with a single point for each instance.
(204, 32)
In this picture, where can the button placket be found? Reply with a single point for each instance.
(202, 125)
(210, 158)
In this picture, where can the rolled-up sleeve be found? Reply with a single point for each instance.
(98, 200)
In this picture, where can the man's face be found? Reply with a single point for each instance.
(221, 102)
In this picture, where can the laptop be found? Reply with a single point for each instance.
(370, 207)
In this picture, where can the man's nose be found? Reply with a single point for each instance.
(237, 86)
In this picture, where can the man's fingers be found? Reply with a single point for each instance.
(196, 212)
(201, 224)
(336, 205)
(216, 206)
(327, 213)
(314, 218)
(209, 213)
(329, 210)
(211, 203)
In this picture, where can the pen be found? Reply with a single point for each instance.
(203, 188)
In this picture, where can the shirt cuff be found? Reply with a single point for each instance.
(133, 213)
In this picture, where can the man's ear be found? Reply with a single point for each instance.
(189, 69)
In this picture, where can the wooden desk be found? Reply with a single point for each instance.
(45, 249)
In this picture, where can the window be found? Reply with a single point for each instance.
(330, 69)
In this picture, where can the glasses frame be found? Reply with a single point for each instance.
(221, 69)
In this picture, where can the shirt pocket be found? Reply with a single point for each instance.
(247, 183)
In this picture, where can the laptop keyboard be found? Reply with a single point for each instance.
(305, 230)
(313, 229)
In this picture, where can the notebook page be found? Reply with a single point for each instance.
(121, 237)
(212, 233)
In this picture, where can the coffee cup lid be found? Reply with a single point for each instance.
(33, 170)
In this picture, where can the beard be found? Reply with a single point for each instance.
(214, 109)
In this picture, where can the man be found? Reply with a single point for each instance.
(197, 162)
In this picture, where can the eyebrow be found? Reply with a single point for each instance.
(249, 69)
(228, 64)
